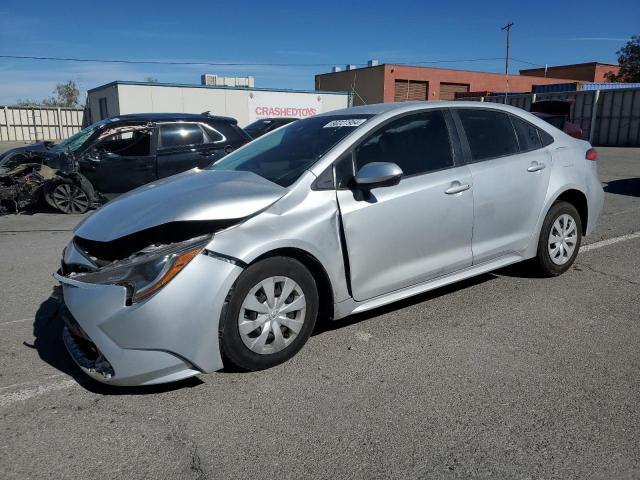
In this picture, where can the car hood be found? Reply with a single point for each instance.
(38, 147)
(195, 195)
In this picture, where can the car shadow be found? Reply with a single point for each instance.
(526, 269)
(624, 186)
(329, 325)
(47, 330)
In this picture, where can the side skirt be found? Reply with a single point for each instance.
(350, 306)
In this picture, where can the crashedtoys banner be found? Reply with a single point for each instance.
(283, 104)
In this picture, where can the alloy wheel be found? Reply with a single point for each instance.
(272, 315)
(562, 239)
(70, 198)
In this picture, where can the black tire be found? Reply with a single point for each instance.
(236, 354)
(68, 196)
(543, 261)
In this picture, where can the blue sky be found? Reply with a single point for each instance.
(318, 32)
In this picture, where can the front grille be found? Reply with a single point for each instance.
(82, 348)
(67, 269)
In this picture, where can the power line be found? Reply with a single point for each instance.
(526, 62)
(227, 64)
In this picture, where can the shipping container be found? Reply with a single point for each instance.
(555, 87)
(590, 86)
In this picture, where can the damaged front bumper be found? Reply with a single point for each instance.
(167, 337)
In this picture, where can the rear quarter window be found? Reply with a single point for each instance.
(231, 132)
(213, 135)
(528, 136)
(546, 138)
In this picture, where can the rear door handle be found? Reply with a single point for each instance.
(457, 187)
(535, 167)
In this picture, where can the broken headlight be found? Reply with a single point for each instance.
(146, 272)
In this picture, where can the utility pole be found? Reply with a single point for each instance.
(507, 27)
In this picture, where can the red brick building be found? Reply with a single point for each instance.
(586, 72)
(393, 83)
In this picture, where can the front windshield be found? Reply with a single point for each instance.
(282, 156)
(76, 141)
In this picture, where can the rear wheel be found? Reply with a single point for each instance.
(270, 315)
(560, 239)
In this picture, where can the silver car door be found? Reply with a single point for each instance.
(401, 235)
(510, 179)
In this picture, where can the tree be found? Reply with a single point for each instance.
(64, 95)
(629, 60)
(150, 79)
(28, 103)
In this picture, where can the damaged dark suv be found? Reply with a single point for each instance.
(113, 156)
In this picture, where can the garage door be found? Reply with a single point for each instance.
(448, 90)
(406, 90)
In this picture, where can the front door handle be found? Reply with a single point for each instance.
(457, 187)
(535, 167)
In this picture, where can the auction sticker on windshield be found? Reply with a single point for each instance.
(349, 122)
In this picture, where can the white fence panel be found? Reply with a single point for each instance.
(36, 124)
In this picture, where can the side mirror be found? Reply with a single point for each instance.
(378, 174)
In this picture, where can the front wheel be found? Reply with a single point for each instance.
(560, 239)
(270, 315)
(69, 197)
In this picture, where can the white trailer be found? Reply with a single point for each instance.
(244, 104)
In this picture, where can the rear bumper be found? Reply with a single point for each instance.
(168, 337)
(595, 196)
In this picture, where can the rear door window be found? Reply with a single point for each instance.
(490, 133)
(417, 143)
(528, 137)
(180, 134)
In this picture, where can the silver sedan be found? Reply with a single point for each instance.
(233, 265)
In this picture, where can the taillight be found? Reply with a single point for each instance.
(592, 154)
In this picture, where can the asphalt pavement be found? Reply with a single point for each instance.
(502, 376)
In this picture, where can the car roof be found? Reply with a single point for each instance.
(398, 107)
(167, 117)
(275, 119)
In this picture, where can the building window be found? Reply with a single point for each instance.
(409, 90)
(104, 111)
